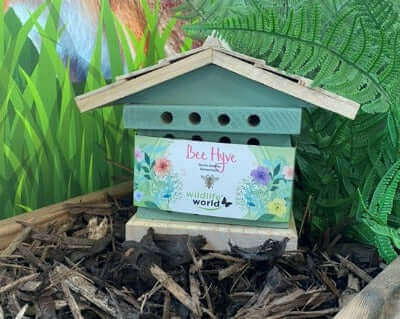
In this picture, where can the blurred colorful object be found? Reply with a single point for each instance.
(78, 24)
(48, 151)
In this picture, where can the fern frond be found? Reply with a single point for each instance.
(380, 199)
(304, 46)
(385, 248)
(208, 10)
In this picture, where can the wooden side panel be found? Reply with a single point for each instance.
(233, 119)
(223, 137)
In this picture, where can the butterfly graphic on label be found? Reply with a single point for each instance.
(226, 203)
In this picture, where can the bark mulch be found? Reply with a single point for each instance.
(85, 269)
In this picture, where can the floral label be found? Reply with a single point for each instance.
(214, 179)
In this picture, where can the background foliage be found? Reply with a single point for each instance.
(350, 47)
(48, 150)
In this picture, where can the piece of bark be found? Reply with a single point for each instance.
(91, 293)
(13, 304)
(98, 247)
(166, 305)
(14, 284)
(177, 291)
(354, 268)
(231, 270)
(195, 293)
(29, 256)
(16, 242)
(197, 265)
(47, 307)
(227, 258)
(269, 251)
(21, 313)
(96, 230)
(329, 283)
(116, 304)
(128, 298)
(63, 241)
(1, 312)
(73, 306)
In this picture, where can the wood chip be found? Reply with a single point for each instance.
(195, 293)
(21, 313)
(354, 268)
(18, 282)
(167, 305)
(231, 270)
(329, 283)
(96, 230)
(76, 312)
(32, 258)
(90, 292)
(177, 291)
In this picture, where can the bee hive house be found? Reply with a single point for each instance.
(213, 153)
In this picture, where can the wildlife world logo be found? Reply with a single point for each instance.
(208, 201)
(214, 179)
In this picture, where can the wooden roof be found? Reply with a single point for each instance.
(243, 65)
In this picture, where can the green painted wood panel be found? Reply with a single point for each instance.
(148, 213)
(233, 119)
(212, 85)
(256, 139)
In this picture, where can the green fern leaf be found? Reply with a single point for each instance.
(385, 248)
(386, 184)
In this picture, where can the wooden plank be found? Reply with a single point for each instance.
(318, 97)
(240, 56)
(379, 299)
(149, 69)
(118, 90)
(162, 63)
(218, 235)
(9, 228)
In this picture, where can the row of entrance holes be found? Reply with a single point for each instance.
(223, 139)
(223, 119)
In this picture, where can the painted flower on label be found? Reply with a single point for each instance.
(162, 167)
(288, 172)
(138, 154)
(277, 206)
(261, 175)
(138, 196)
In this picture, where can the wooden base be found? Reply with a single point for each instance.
(57, 213)
(218, 236)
